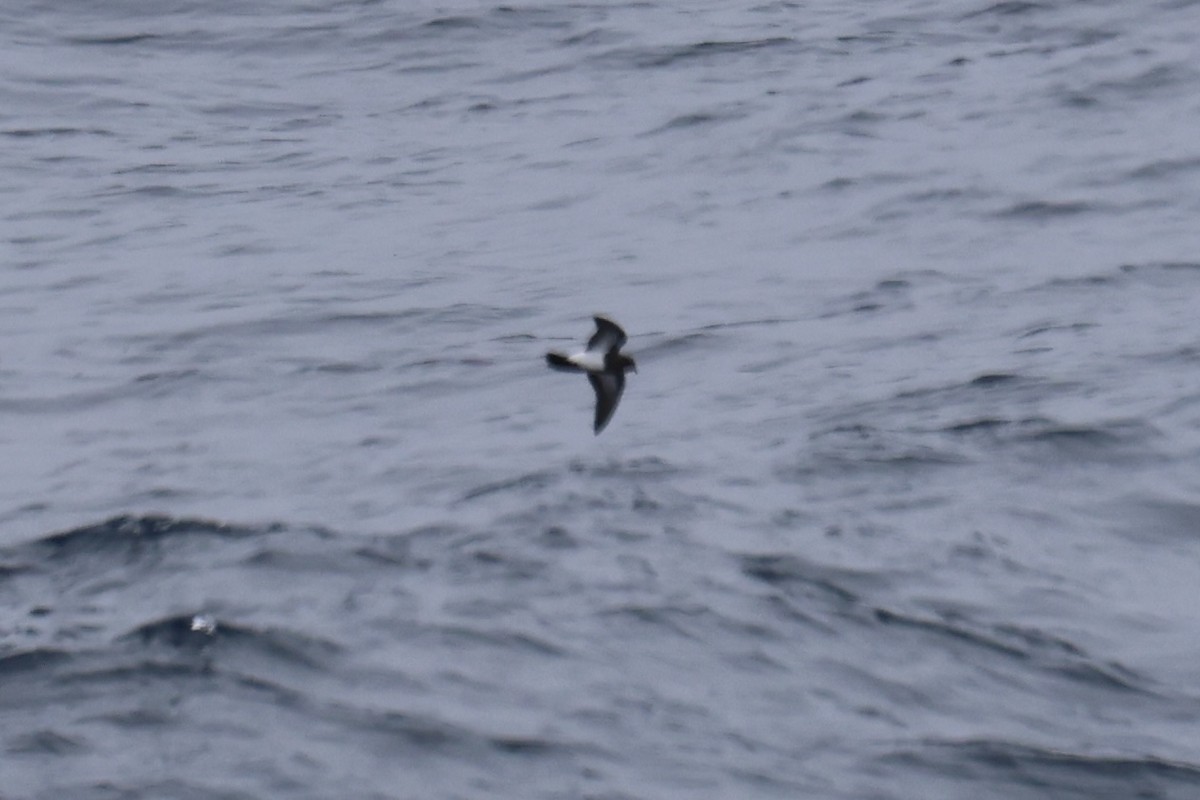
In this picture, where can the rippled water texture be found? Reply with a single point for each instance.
(902, 503)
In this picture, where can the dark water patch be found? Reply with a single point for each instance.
(1108, 676)
(592, 37)
(103, 675)
(682, 343)
(148, 385)
(460, 361)
(702, 119)
(137, 718)
(701, 52)
(928, 427)
(242, 249)
(1059, 655)
(1163, 169)
(841, 184)
(985, 386)
(541, 17)
(507, 20)
(516, 338)
(397, 550)
(1094, 281)
(1045, 210)
(111, 40)
(798, 577)
(922, 203)
(1148, 520)
(200, 632)
(661, 619)
(473, 554)
(861, 123)
(1187, 354)
(157, 168)
(1147, 83)
(769, 364)
(35, 660)
(1037, 649)
(1162, 80)
(493, 638)
(1015, 770)
(522, 483)
(166, 192)
(556, 537)
(166, 377)
(1104, 439)
(490, 560)
(1181, 265)
(438, 738)
(1076, 99)
(131, 535)
(396, 324)
(872, 38)
(167, 383)
(453, 23)
(133, 789)
(161, 662)
(31, 133)
(793, 518)
(993, 379)
(887, 295)
(1163, 274)
(1067, 435)
(271, 111)
(649, 467)
(339, 368)
(848, 448)
(295, 557)
(1007, 8)
(558, 203)
(809, 599)
(45, 742)
(693, 622)
(1073, 327)
(177, 632)
(469, 315)
(946, 631)
(537, 74)
(524, 745)
(278, 646)
(1112, 440)
(980, 425)
(11, 569)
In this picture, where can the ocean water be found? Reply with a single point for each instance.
(902, 503)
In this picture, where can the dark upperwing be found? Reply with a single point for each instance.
(608, 336)
(608, 386)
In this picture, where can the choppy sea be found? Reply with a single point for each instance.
(903, 502)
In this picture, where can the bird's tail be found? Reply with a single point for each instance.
(561, 362)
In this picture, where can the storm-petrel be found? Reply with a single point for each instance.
(604, 364)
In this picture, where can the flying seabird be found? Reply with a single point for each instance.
(604, 364)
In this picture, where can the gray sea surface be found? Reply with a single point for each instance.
(903, 501)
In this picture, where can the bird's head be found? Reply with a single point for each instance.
(628, 363)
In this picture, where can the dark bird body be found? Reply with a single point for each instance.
(604, 364)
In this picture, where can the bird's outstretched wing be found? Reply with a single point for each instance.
(561, 363)
(608, 336)
(608, 386)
